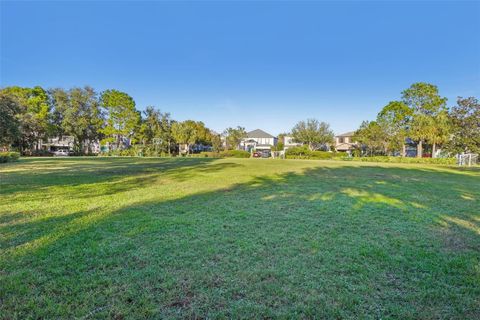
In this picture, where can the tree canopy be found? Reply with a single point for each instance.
(313, 133)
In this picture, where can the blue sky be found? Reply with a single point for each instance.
(256, 64)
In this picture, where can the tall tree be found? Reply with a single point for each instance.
(34, 115)
(313, 133)
(465, 124)
(233, 137)
(185, 133)
(121, 116)
(9, 124)
(394, 118)
(216, 141)
(155, 129)
(78, 111)
(59, 102)
(426, 103)
(372, 137)
(439, 131)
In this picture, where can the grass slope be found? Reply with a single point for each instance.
(237, 238)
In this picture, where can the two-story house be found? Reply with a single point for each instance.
(344, 142)
(289, 142)
(258, 140)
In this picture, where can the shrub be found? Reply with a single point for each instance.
(38, 153)
(224, 154)
(9, 156)
(303, 152)
(235, 154)
(135, 151)
(444, 161)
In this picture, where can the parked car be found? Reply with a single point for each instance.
(61, 153)
(262, 154)
(265, 153)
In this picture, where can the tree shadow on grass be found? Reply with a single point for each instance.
(345, 242)
(116, 174)
(66, 172)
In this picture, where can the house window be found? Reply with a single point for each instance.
(341, 140)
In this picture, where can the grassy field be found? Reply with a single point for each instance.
(237, 238)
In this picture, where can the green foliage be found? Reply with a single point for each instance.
(33, 115)
(77, 112)
(9, 156)
(303, 152)
(224, 154)
(216, 142)
(235, 154)
(137, 150)
(465, 126)
(279, 147)
(428, 107)
(188, 133)
(9, 124)
(372, 137)
(156, 129)
(121, 116)
(443, 161)
(394, 119)
(234, 136)
(313, 133)
(424, 98)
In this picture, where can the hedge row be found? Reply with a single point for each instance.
(305, 153)
(9, 156)
(445, 161)
(223, 154)
(133, 152)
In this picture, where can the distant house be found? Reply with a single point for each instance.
(344, 142)
(258, 140)
(66, 143)
(289, 142)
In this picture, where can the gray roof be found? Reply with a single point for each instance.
(259, 134)
(346, 134)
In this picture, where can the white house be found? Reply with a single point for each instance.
(289, 142)
(258, 140)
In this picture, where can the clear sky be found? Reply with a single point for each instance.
(256, 64)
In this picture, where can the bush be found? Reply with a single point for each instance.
(235, 154)
(9, 156)
(38, 153)
(135, 151)
(444, 161)
(303, 152)
(224, 154)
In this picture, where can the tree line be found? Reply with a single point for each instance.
(422, 118)
(29, 116)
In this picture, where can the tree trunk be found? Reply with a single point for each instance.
(118, 141)
(434, 149)
(420, 149)
(404, 150)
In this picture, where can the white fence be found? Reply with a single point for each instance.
(468, 159)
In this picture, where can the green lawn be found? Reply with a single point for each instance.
(237, 238)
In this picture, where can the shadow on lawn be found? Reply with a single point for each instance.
(337, 241)
(116, 174)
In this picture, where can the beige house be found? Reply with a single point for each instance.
(344, 142)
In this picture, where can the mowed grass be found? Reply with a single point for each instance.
(137, 238)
